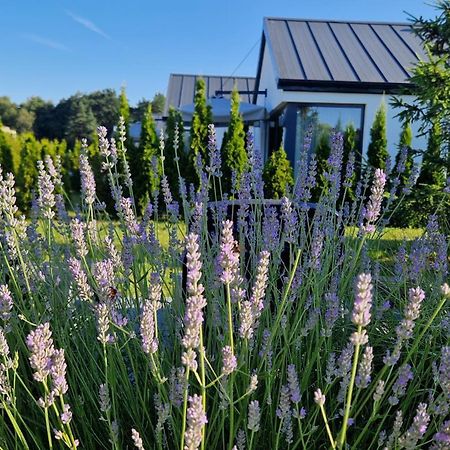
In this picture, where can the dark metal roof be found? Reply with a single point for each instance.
(350, 55)
(181, 89)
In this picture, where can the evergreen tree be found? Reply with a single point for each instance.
(199, 131)
(146, 181)
(234, 155)
(174, 120)
(27, 174)
(277, 175)
(405, 142)
(377, 151)
(81, 121)
(158, 102)
(6, 157)
(124, 111)
(432, 170)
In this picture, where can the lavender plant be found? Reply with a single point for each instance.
(248, 323)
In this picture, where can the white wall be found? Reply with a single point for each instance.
(371, 102)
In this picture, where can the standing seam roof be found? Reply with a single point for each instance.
(335, 51)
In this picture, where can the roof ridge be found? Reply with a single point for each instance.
(367, 22)
(210, 76)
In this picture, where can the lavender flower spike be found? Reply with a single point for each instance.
(363, 300)
(149, 340)
(40, 344)
(196, 301)
(254, 416)
(319, 398)
(229, 361)
(137, 440)
(419, 427)
(196, 420)
(373, 208)
(228, 257)
(87, 177)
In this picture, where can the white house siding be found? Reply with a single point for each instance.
(371, 103)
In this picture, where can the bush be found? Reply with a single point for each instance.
(277, 174)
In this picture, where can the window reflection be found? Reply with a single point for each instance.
(322, 119)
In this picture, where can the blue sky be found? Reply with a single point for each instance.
(54, 48)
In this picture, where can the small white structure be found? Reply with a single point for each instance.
(328, 74)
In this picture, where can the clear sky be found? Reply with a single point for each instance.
(54, 48)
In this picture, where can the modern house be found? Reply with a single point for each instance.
(319, 75)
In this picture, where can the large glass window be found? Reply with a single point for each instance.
(322, 119)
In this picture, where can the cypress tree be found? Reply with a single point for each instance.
(405, 142)
(146, 181)
(432, 170)
(174, 121)
(377, 151)
(199, 131)
(234, 155)
(277, 174)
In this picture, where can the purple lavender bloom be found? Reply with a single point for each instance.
(149, 340)
(78, 230)
(271, 229)
(349, 170)
(6, 303)
(365, 368)
(294, 387)
(260, 285)
(195, 302)
(58, 373)
(213, 152)
(405, 375)
(363, 300)
(334, 162)
(254, 416)
(411, 181)
(290, 220)
(229, 361)
(196, 420)
(167, 195)
(78, 274)
(46, 198)
(103, 273)
(228, 258)
(442, 438)
(373, 208)
(66, 415)
(54, 172)
(40, 344)
(331, 313)
(87, 177)
(419, 427)
(127, 214)
(316, 248)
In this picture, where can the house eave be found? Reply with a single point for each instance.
(349, 87)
